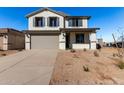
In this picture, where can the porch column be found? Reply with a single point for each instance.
(5, 42)
(72, 39)
(93, 41)
(62, 41)
(27, 42)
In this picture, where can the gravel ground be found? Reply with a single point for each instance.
(71, 68)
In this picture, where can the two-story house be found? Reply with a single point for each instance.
(49, 29)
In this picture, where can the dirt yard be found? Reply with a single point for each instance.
(8, 52)
(83, 67)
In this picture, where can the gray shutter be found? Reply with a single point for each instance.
(57, 21)
(48, 21)
(43, 21)
(34, 22)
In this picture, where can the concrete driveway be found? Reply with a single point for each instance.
(28, 67)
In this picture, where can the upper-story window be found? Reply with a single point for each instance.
(75, 22)
(39, 21)
(53, 21)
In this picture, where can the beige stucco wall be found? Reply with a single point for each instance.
(15, 41)
(62, 41)
(93, 41)
(86, 38)
(27, 42)
(72, 39)
(1, 42)
(5, 42)
(11, 39)
(45, 14)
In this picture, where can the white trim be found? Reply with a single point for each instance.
(81, 46)
(27, 42)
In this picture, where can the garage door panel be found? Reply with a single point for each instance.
(44, 42)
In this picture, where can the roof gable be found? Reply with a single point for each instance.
(46, 9)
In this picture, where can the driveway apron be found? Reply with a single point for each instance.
(28, 67)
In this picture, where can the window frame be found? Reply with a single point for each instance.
(75, 22)
(57, 21)
(36, 24)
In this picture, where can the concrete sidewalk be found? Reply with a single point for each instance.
(28, 67)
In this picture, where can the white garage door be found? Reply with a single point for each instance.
(44, 42)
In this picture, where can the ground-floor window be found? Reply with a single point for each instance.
(79, 38)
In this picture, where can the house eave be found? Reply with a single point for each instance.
(40, 32)
(82, 17)
(68, 30)
(10, 30)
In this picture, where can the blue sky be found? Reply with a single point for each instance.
(108, 19)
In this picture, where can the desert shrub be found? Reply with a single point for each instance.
(114, 54)
(85, 68)
(98, 46)
(4, 54)
(72, 51)
(68, 64)
(121, 56)
(66, 80)
(121, 64)
(96, 54)
(2, 50)
(117, 55)
(84, 49)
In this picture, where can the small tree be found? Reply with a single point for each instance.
(120, 39)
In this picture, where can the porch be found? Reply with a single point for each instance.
(80, 38)
(77, 40)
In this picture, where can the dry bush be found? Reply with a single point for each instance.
(84, 49)
(114, 54)
(4, 54)
(96, 54)
(68, 64)
(121, 64)
(117, 55)
(121, 56)
(72, 50)
(85, 68)
(2, 50)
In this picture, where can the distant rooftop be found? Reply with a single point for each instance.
(6, 30)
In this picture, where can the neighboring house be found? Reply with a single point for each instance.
(11, 39)
(101, 42)
(56, 30)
